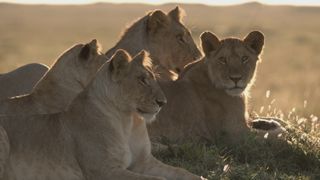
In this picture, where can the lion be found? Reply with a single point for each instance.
(165, 37)
(21, 81)
(97, 137)
(209, 100)
(64, 81)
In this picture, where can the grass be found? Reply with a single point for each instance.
(293, 155)
(252, 160)
(289, 73)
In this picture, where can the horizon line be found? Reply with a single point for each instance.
(159, 4)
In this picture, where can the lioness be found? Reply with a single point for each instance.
(96, 138)
(210, 97)
(165, 37)
(21, 81)
(59, 86)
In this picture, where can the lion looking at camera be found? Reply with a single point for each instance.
(209, 99)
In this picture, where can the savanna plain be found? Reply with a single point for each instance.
(287, 84)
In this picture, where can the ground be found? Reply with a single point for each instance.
(287, 86)
(295, 155)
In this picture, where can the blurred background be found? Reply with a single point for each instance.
(288, 78)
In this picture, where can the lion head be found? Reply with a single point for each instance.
(169, 40)
(232, 62)
(75, 68)
(134, 84)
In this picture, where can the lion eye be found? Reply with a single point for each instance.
(223, 60)
(245, 59)
(143, 80)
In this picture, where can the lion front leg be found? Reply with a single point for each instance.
(154, 167)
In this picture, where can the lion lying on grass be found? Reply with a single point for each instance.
(97, 137)
(209, 100)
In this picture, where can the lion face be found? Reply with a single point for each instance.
(170, 40)
(136, 88)
(232, 62)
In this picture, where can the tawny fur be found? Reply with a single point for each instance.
(204, 103)
(165, 37)
(61, 84)
(97, 137)
(21, 80)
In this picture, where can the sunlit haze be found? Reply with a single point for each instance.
(209, 2)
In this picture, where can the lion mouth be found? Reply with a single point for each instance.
(235, 91)
(148, 116)
(141, 111)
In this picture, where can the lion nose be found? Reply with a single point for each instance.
(236, 78)
(161, 102)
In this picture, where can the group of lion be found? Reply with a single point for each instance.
(89, 115)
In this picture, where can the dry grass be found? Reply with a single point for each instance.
(293, 155)
(287, 86)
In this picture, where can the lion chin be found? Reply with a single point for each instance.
(147, 116)
(236, 91)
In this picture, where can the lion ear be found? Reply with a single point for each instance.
(119, 64)
(91, 48)
(209, 42)
(255, 40)
(141, 58)
(157, 19)
(177, 14)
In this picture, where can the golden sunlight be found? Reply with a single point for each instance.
(209, 2)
